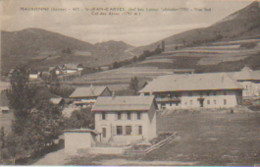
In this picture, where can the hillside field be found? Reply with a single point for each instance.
(207, 58)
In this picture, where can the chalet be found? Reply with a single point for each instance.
(125, 119)
(250, 80)
(88, 95)
(185, 91)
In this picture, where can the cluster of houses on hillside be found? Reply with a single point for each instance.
(62, 71)
(120, 120)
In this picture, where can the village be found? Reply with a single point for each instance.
(127, 124)
(115, 98)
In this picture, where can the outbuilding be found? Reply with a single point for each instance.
(78, 139)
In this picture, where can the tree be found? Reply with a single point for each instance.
(81, 119)
(37, 122)
(163, 46)
(21, 97)
(2, 137)
(134, 84)
(116, 65)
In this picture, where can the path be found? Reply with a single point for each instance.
(53, 158)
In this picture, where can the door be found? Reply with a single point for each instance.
(201, 102)
(104, 133)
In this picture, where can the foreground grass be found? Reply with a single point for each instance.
(204, 138)
(211, 138)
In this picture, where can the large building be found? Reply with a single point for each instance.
(185, 91)
(125, 119)
(250, 80)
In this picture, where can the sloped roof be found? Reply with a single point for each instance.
(71, 66)
(123, 103)
(4, 107)
(56, 100)
(82, 130)
(90, 91)
(191, 82)
(246, 74)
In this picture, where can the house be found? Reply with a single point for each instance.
(186, 91)
(125, 119)
(250, 80)
(88, 95)
(70, 68)
(4, 109)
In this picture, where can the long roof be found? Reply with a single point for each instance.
(192, 82)
(123, 103)
(91, 91)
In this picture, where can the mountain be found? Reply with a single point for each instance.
(21, 47)
(113, 48)
(241, 24)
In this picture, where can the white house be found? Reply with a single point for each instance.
(250, 80)
(185, 91)
(79, 139)
(88, 95)
(125, 119)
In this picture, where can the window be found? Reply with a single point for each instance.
(138, 115)
(214, 93)
(146, 94)
(140, 130)
(190, 94)
(208, 101)
(128, 130)
(225, 101)
(103, 116)
(119, 130)
(163, 105)
(129, 116)
(225, 93)
(118, 116)
(104, 132)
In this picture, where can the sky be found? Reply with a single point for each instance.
(141, 29)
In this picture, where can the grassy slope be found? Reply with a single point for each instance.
(212, 138)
